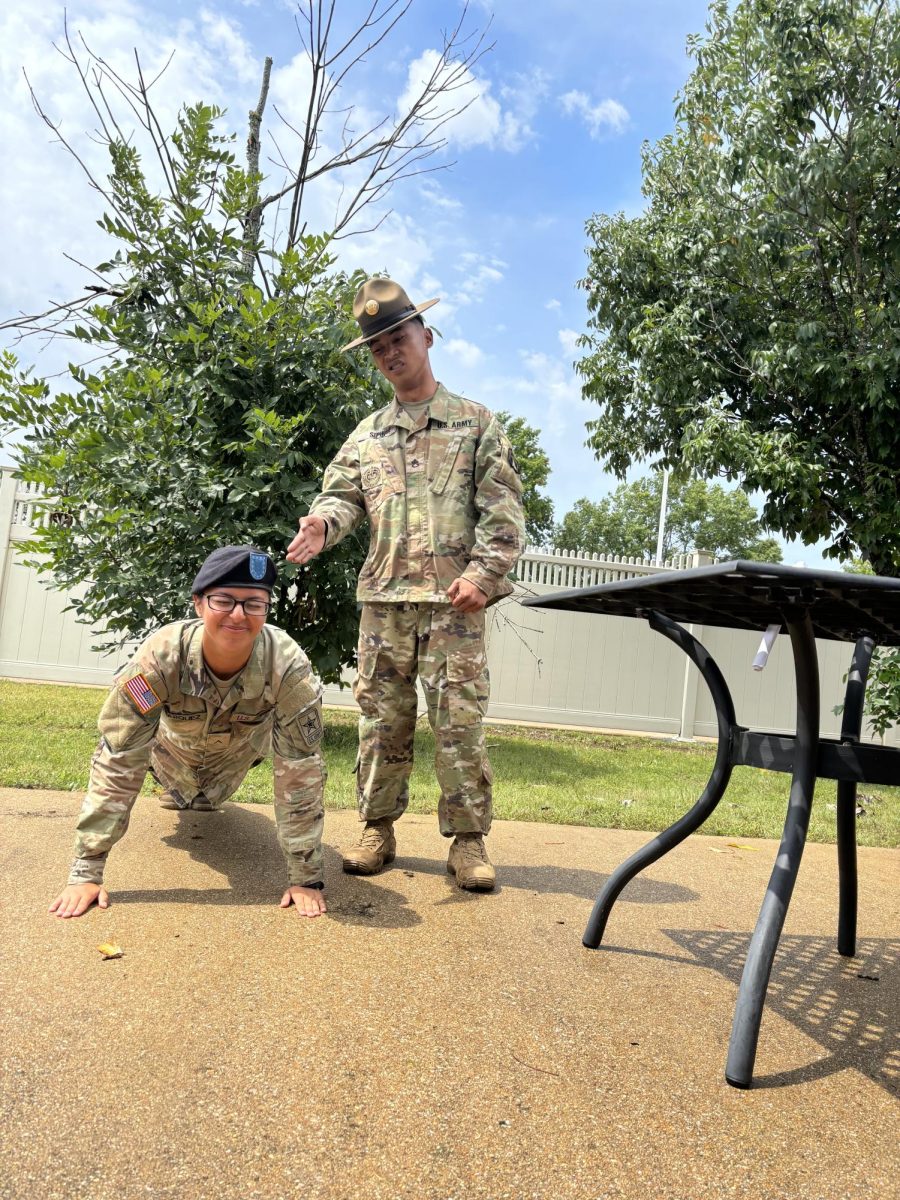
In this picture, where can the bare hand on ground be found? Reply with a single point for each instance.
(466, 596)
(309, 902)
(76, 898)
(308, 542)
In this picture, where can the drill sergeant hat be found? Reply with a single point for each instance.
(235, 566)
(380, 306)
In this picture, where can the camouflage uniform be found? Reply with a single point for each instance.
(443, 496)
(198, 745)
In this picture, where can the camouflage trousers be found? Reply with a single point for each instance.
(399, 643)
(185, 785)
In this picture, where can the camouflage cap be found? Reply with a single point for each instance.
(382, 305)
(235, 566)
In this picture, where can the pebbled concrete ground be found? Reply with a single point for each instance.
(423, 1043)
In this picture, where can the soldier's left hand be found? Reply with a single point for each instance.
(465, 596)
(309, 902)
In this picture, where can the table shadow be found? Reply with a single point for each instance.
(850, 1006)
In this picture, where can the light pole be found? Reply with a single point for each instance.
(662, 519)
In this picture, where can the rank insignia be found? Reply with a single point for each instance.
(141, 694)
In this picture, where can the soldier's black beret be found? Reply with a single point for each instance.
(235, 566)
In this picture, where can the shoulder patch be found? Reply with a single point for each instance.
(310, 726)
(141, 695)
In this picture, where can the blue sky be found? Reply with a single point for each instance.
(560, 108)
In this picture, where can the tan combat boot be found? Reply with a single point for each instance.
(376, 847)
(469, 862)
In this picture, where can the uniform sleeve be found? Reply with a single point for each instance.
(341, 501)
(500, 531)
(128, 723)
(300, 775)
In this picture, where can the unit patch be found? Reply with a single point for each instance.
(141, 694)
(310, 725)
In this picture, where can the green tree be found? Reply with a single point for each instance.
(699, 516)
(534, 467)
(220, 394)
(747, 324)
(207, 425)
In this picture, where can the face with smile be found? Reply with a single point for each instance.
(401, 355)
(228, 637)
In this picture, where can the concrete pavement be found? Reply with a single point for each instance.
(419, 1042)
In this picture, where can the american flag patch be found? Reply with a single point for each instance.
(140, 693)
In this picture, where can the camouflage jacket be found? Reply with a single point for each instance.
(442, 494)
(165, 712)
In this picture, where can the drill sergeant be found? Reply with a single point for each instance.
(199, 704)
(437, 478)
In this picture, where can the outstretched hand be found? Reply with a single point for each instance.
(309, 902)
(309, 541)
(76, 898)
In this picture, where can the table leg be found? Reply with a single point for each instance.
(711, 796)
(851, 728)
(764, 943)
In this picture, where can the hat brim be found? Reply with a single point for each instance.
(364, 340)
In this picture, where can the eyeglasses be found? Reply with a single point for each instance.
(219, 602)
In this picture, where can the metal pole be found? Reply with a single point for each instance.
(764, 943)
(851, 728)
(662, 519)
(712, 793)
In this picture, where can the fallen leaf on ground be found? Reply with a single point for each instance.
(108, 950)
(740, 846)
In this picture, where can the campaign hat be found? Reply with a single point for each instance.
(380, 306)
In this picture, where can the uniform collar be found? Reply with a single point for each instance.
(195, 680)
(398, 415)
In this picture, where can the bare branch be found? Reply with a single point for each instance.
(253, 220)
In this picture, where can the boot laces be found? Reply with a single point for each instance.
(473, 848)
(374, 837)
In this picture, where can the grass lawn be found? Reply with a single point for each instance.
(48, 732)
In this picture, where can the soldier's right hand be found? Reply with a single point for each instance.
(77, 898)
(309, 541)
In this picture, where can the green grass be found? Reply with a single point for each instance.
(48, 732)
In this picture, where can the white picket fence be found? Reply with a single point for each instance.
(547, 667)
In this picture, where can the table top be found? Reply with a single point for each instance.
(748, 595)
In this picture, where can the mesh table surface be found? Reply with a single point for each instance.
(749, 595)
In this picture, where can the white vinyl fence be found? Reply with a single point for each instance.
(548, 667)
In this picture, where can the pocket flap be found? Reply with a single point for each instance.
(367, 661)
(464, 665)
(443, 472)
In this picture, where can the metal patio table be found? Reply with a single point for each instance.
(808, 604)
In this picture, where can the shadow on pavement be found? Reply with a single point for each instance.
(850, 1006)
(571, 881)
(242, 845)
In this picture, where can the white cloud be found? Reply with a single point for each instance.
(435, 197)
(484, 121)
(479, 273)
(553, 305)
(568, 339)
(546, 391)
(467, 353)
(401, 247)
(601, 116)
(49, 205)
